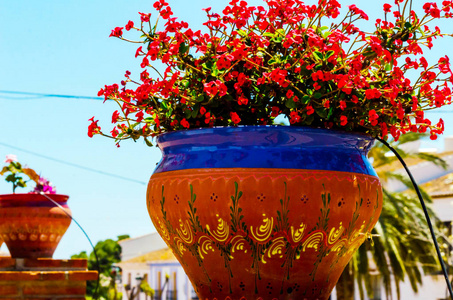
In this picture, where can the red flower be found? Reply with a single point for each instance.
(139, 116)
(93, 128)
(235, 118)
(115, 116)
(310, 110)
(289, 94)
(145, 62)
(387, 7)
(372, 94)
(275, 111)
(184, 123)
(117, 32)
(343, 120)
(294, 117)
(114, 132)
(144, 17)
(159, 4)
(129, 25)
(318, 75)
(373, 117)
(358, 11)
(444, 65)
(243, 100)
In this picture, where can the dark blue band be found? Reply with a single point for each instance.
(265, 147)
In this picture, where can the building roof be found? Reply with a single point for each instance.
(159, 255)
(139, 246)
(440, 187)
(424, 172)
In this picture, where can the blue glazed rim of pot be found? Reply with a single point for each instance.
(283, 147)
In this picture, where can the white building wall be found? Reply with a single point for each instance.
(433, 288)
(131, 275)
(161, 270)
(135, 247)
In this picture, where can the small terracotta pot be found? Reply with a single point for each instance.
(31, 225)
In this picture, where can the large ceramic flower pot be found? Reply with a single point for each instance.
(31, 225)
(264, 212)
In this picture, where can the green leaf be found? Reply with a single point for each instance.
(318, 55)
(321, 111)
(242, 32)
(326, 34)
(207, 65)
(290, 103)
(200, 98)
(4, 170)
(305, 99)
(281, 32)
(11, 178)
(215, 72)
(309, 119)
(268, 34)
(277, 39)
(183, 48)
(329, 53)
(273, 60)
(317, 95)
(21, 183)
(195, 112)
(148, 143)
(330, 113)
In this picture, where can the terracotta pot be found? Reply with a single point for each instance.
(31, 225)
(261, 212)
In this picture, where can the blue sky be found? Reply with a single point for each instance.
(62, 47)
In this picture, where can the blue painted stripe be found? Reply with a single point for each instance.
(265, 147)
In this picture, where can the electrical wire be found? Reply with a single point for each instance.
(51, 95)
(74, 165)
(425, 210)
(86, 235)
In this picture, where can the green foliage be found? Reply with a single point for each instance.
(401, 248)
(108, 252)
(16, 171)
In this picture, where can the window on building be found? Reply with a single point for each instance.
(172, 287)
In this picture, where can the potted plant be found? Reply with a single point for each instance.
(31, 224)
(261, 211)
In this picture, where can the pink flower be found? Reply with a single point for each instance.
(10, 158)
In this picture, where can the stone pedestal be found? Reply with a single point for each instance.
(44, 278)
